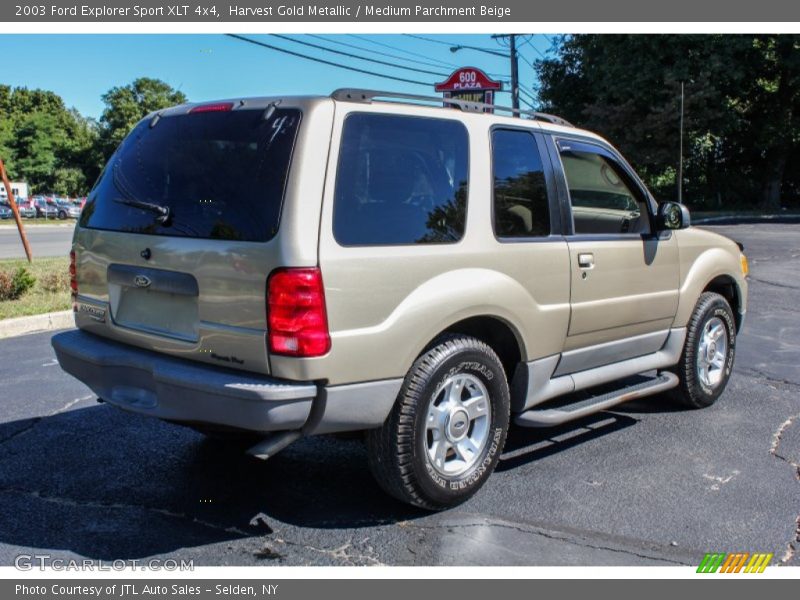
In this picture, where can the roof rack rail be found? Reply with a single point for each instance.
(359, 95)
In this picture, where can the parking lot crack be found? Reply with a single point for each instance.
(36, 420)
(777, 451)
(346, 553)
(779, 285)
(577, 539)
(754, 372)
(76, 503)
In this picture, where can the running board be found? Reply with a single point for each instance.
(556, 416)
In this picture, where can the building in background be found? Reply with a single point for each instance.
(18, 188)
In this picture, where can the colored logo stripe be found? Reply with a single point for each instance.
(734, 562)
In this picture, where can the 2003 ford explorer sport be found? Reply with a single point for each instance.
(376, 262)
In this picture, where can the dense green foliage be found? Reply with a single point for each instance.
(55, 149)
(742, 110)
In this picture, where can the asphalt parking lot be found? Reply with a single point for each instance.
(643, 484)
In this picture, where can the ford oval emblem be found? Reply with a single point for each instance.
(142, 281)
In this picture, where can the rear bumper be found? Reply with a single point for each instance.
(176, 389)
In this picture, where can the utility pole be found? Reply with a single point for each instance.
(512, 46)
(680, 161)
(13, 204)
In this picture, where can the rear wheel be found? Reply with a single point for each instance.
(708, 353)
(445, 434)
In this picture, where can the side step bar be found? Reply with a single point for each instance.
(556, 416)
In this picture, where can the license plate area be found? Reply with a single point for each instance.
(154, 301)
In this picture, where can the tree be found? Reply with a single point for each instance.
(45, 143)
(127, 105)
(741, 117)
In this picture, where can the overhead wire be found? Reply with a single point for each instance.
(326, 62)
(372, 50)
(403, 50)
(356, 56)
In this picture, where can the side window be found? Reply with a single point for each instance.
(400, 180)
(520, 194)
(602, 199)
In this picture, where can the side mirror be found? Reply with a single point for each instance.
(672, 215)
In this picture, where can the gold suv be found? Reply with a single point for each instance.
(376, 262)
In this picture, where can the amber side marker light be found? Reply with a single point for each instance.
(745, 266)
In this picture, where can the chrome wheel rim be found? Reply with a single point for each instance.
(712, 352)
(457, 425)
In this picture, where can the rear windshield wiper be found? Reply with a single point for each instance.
(163, 212)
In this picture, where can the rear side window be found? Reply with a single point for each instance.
(217, 175)
(520, 194)
(400, 180)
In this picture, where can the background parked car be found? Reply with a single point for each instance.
(67, 209)
(45, 207)
(5, 211)
(26, 209)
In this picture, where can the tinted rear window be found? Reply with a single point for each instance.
(401, 180)
(221, 175)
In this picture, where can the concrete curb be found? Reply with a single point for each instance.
(35, 323)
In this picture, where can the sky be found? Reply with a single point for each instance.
(81, 68)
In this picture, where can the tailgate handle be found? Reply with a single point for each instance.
(159, 280)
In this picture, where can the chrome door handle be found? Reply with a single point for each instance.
(586, 260)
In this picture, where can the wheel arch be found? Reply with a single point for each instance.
(496, 332)
(726, 286)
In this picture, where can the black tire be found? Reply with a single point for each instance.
(398, 451)
(62, 215)
(692, 391)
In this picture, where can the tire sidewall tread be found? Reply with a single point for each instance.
(397, 451)
(691, 391)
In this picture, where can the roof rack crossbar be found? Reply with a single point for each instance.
(362, 95)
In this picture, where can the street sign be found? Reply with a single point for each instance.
(471, 84)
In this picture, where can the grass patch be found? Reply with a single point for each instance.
(50, 293)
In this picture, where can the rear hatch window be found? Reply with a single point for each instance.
(215, 174)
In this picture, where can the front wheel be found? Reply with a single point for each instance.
(707, 359)
(445, 434)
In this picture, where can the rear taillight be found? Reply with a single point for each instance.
(73, 280)
(296, 319)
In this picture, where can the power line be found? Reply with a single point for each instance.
(403, 50)
(388, 54)
(460, 46)
(528, 94)
(356, 56)
(526, 61)
(325, 62)
(427, 39)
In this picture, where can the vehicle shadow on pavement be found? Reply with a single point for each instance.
(107, 485)
(526, 445)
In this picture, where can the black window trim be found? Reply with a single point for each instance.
(553, 203)
(412, 244)
(566, 203)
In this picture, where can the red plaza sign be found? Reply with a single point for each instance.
(469, 83)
